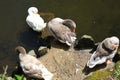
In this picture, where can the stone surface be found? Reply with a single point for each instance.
(100, 75)
(66, 65)
(42, 51)
(71, 65)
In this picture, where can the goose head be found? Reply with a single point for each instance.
(32, 10)
(67, 22)
(21, 50)
(70, 23)
(63, 30)
(112, 43)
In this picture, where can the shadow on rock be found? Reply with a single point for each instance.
(86, 42)
(116, 57)
(88, 70)
(32, 40)
(57, 44)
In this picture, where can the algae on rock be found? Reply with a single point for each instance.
(100, 75)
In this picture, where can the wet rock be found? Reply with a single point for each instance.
(42, 51)
(47, 16)
(86, 42)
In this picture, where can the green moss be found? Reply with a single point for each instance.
(117, 65)
(117, 70)
(99, 75)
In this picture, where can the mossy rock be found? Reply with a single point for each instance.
(117, 70)
(47, 16)
(117, 65)
(100, 75)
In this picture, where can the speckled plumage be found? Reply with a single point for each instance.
(105, 51)
(62, 30)
(32, 67)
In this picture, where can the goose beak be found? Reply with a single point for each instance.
(35, 12)
(108, 62)
(73, 30)
(115, 46)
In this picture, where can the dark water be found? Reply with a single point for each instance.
(98, 18)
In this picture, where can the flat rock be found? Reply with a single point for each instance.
(66, 65)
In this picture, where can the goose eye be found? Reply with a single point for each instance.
(115, 44)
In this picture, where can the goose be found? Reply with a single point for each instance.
(63, 30)
(34, 20)
(31, 66)
(105, 52)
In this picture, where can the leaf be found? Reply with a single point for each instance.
(18, 77)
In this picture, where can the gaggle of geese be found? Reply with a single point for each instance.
(62, 30)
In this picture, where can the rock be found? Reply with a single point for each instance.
(110, 72)
(47, 16)
(9, 78)
(86, 42)
(71, 65)
(100, 75)
(65, 65)
(32, 53)
(42, 51)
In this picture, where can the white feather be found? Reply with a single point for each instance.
(34, 20)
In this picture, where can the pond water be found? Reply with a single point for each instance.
(98, 18)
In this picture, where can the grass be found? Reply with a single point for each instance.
(4, 75)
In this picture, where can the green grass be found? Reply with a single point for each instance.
(4, 75)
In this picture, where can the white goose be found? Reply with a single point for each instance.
(63, 30)
(34, 20)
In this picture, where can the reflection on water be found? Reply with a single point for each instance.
(98, 18)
